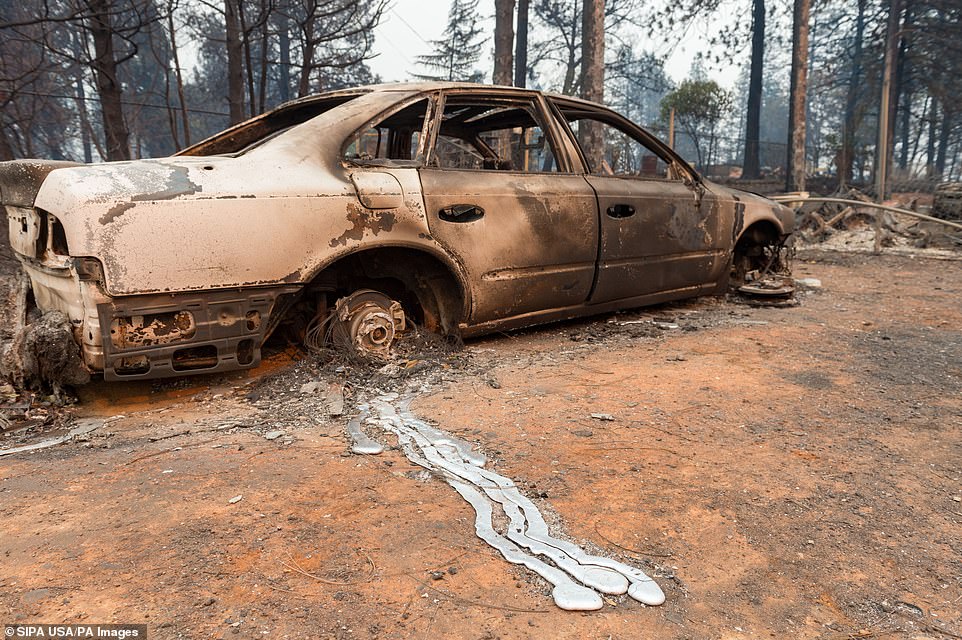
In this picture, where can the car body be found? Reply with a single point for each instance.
(477, 208)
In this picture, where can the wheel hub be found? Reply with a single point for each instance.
(370, 321)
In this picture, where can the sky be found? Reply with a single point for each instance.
(409, 25)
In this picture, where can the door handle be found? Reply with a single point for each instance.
(461, 213)
(621, 211)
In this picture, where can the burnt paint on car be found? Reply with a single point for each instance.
(244, 221)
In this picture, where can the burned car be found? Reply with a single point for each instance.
(463, 208)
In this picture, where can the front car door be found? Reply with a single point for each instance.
(659, 225)
(500, 195)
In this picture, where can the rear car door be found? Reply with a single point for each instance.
(500, 195)
(659, 226)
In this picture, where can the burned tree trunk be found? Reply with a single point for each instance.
(104, 66)
(847, 151)
(751, 168)
(593, 75)
(886, 121)
(77, 42)
(235, 61)
(503, 41)
(284, 50)
(246, 30)
(904, 87)
(263, 62)
(179, 77)
(521, 51)
(307, 57)
(944, 135)
(795, 173)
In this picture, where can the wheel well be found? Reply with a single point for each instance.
(425, 286)
(762, 232)
(758, 247)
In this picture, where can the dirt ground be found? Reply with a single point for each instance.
(781, 472)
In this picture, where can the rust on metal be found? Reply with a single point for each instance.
(369, 321)
(363, 220)
(161, 328)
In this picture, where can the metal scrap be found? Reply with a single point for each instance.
(83, 427)
(578, 578)
(797, 200)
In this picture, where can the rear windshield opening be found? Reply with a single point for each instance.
(255, 130)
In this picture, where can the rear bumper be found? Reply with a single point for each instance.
(159, 335)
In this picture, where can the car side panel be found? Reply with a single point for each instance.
(671, 241)
(535, 246)
(248, 239)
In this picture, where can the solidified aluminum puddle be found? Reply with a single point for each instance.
(578, 578)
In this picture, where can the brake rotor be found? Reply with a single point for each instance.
(770, 286)
(370, 321)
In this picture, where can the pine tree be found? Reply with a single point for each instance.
(458, 50)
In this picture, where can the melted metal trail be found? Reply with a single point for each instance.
(497, 488)
(360, 443)
(529, 530)
(567, 593)
(454, 460)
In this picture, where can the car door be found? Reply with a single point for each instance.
(501, 197)
(658, 224)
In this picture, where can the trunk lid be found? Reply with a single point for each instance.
(20, 180)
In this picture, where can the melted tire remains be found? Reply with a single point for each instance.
(578, 578)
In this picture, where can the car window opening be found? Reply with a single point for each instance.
(392, 142)
(622, 154)
(248, 135)
(489, 136)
